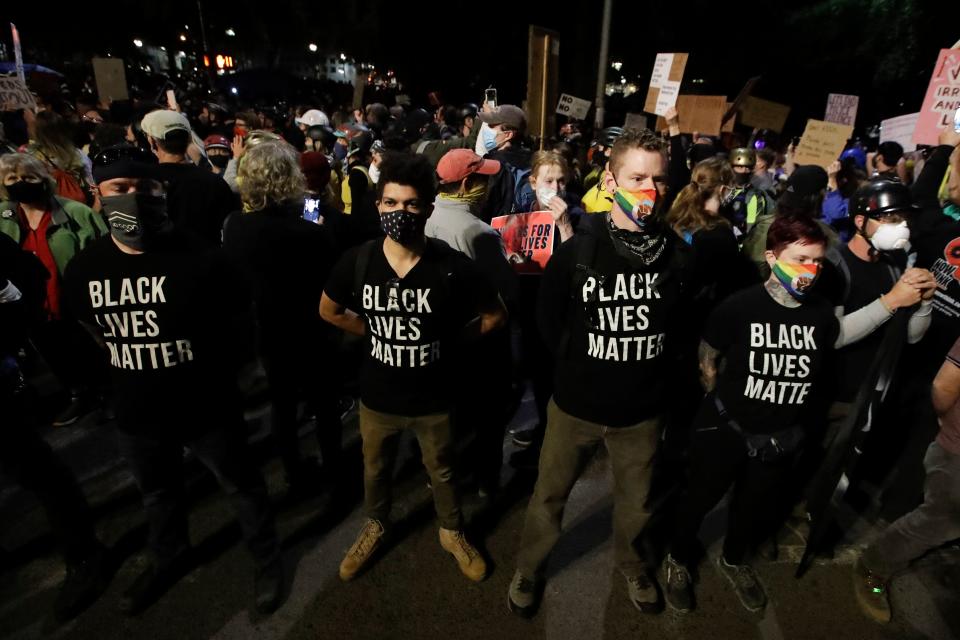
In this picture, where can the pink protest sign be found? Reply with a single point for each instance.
(943, 98)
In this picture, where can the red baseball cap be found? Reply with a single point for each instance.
(457, 164)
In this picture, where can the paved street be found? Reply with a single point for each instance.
(415, 589)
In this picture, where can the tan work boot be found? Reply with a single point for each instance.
(362, 550)
(471, 562)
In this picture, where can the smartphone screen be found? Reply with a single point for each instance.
(956, 121)
(311, 209)
(491, 96)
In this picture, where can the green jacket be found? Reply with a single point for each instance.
(755, 242)
(436, 149)
(72, 227)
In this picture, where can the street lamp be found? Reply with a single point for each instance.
(183, 37)
(312, 47)
(137, 42)
(230, 32)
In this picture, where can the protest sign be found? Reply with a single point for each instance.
(573, 107)
(822, 142)
(942, 99)
(764, 114)
(900, 130)
(527, 239)
(729, 123)
(701, 114)
(17, 52)
(635, 121)
(841, 108)
(739, 100)
(665, 82)
(14, 95)
(111, 79)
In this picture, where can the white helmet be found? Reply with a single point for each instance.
(313, 117)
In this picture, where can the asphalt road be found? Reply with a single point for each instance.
(414, 590)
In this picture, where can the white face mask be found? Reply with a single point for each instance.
(545, 195)
(374, 172)
(891, 237)
(481, 149)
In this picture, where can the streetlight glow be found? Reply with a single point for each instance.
(312, 47)
(137, 42)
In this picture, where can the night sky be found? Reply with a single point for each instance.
(882, 50)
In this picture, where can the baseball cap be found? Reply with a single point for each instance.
(316, 169)
(313, 117)
(507, 114)
(805, 181)
(457, 164)
(157, 124)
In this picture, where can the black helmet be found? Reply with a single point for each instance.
(468, 110)
(322, 134)
(880, 197)
(608, 136)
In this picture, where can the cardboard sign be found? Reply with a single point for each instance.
(635, 121)
(841, 108)
(701, 114)
(739, 100)
(573, 107)
(764, 114)
(729, 123)
(111, 79)
(942, 99)
(900, 129)
(822, 143)
(527, 239)
(14, 95)
(665, 82)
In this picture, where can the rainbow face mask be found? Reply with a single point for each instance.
(637, 204)
(796, 278)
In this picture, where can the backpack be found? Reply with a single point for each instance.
(70, 185)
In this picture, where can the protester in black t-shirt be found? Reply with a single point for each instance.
(168, 313)
(773, 340)
(197, 200)
(415, 299)
(288, 260)
(608, 300)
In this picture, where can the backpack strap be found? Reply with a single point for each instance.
(422, 146)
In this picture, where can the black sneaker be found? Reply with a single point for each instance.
(524, 438)
(745, 583)
(150, 585)
(85, 582)
(79, 406)
(644, 594)
(523, 598)
(679, 586)
(269, 587)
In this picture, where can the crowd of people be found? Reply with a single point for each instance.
(711, 313)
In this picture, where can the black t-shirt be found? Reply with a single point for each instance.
(288, 260)
(611, 328)
(198, 201)
(413, 323)
(772, 357)
(168, 319)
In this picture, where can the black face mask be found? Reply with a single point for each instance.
(29, 192)
(137, 219)
(402, 226)
(220, 162)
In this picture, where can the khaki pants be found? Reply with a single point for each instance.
(568, 446)
(381, 433)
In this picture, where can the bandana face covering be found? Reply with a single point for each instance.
(642, 245)
(796, 278)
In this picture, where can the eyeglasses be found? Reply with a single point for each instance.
(111, 155)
